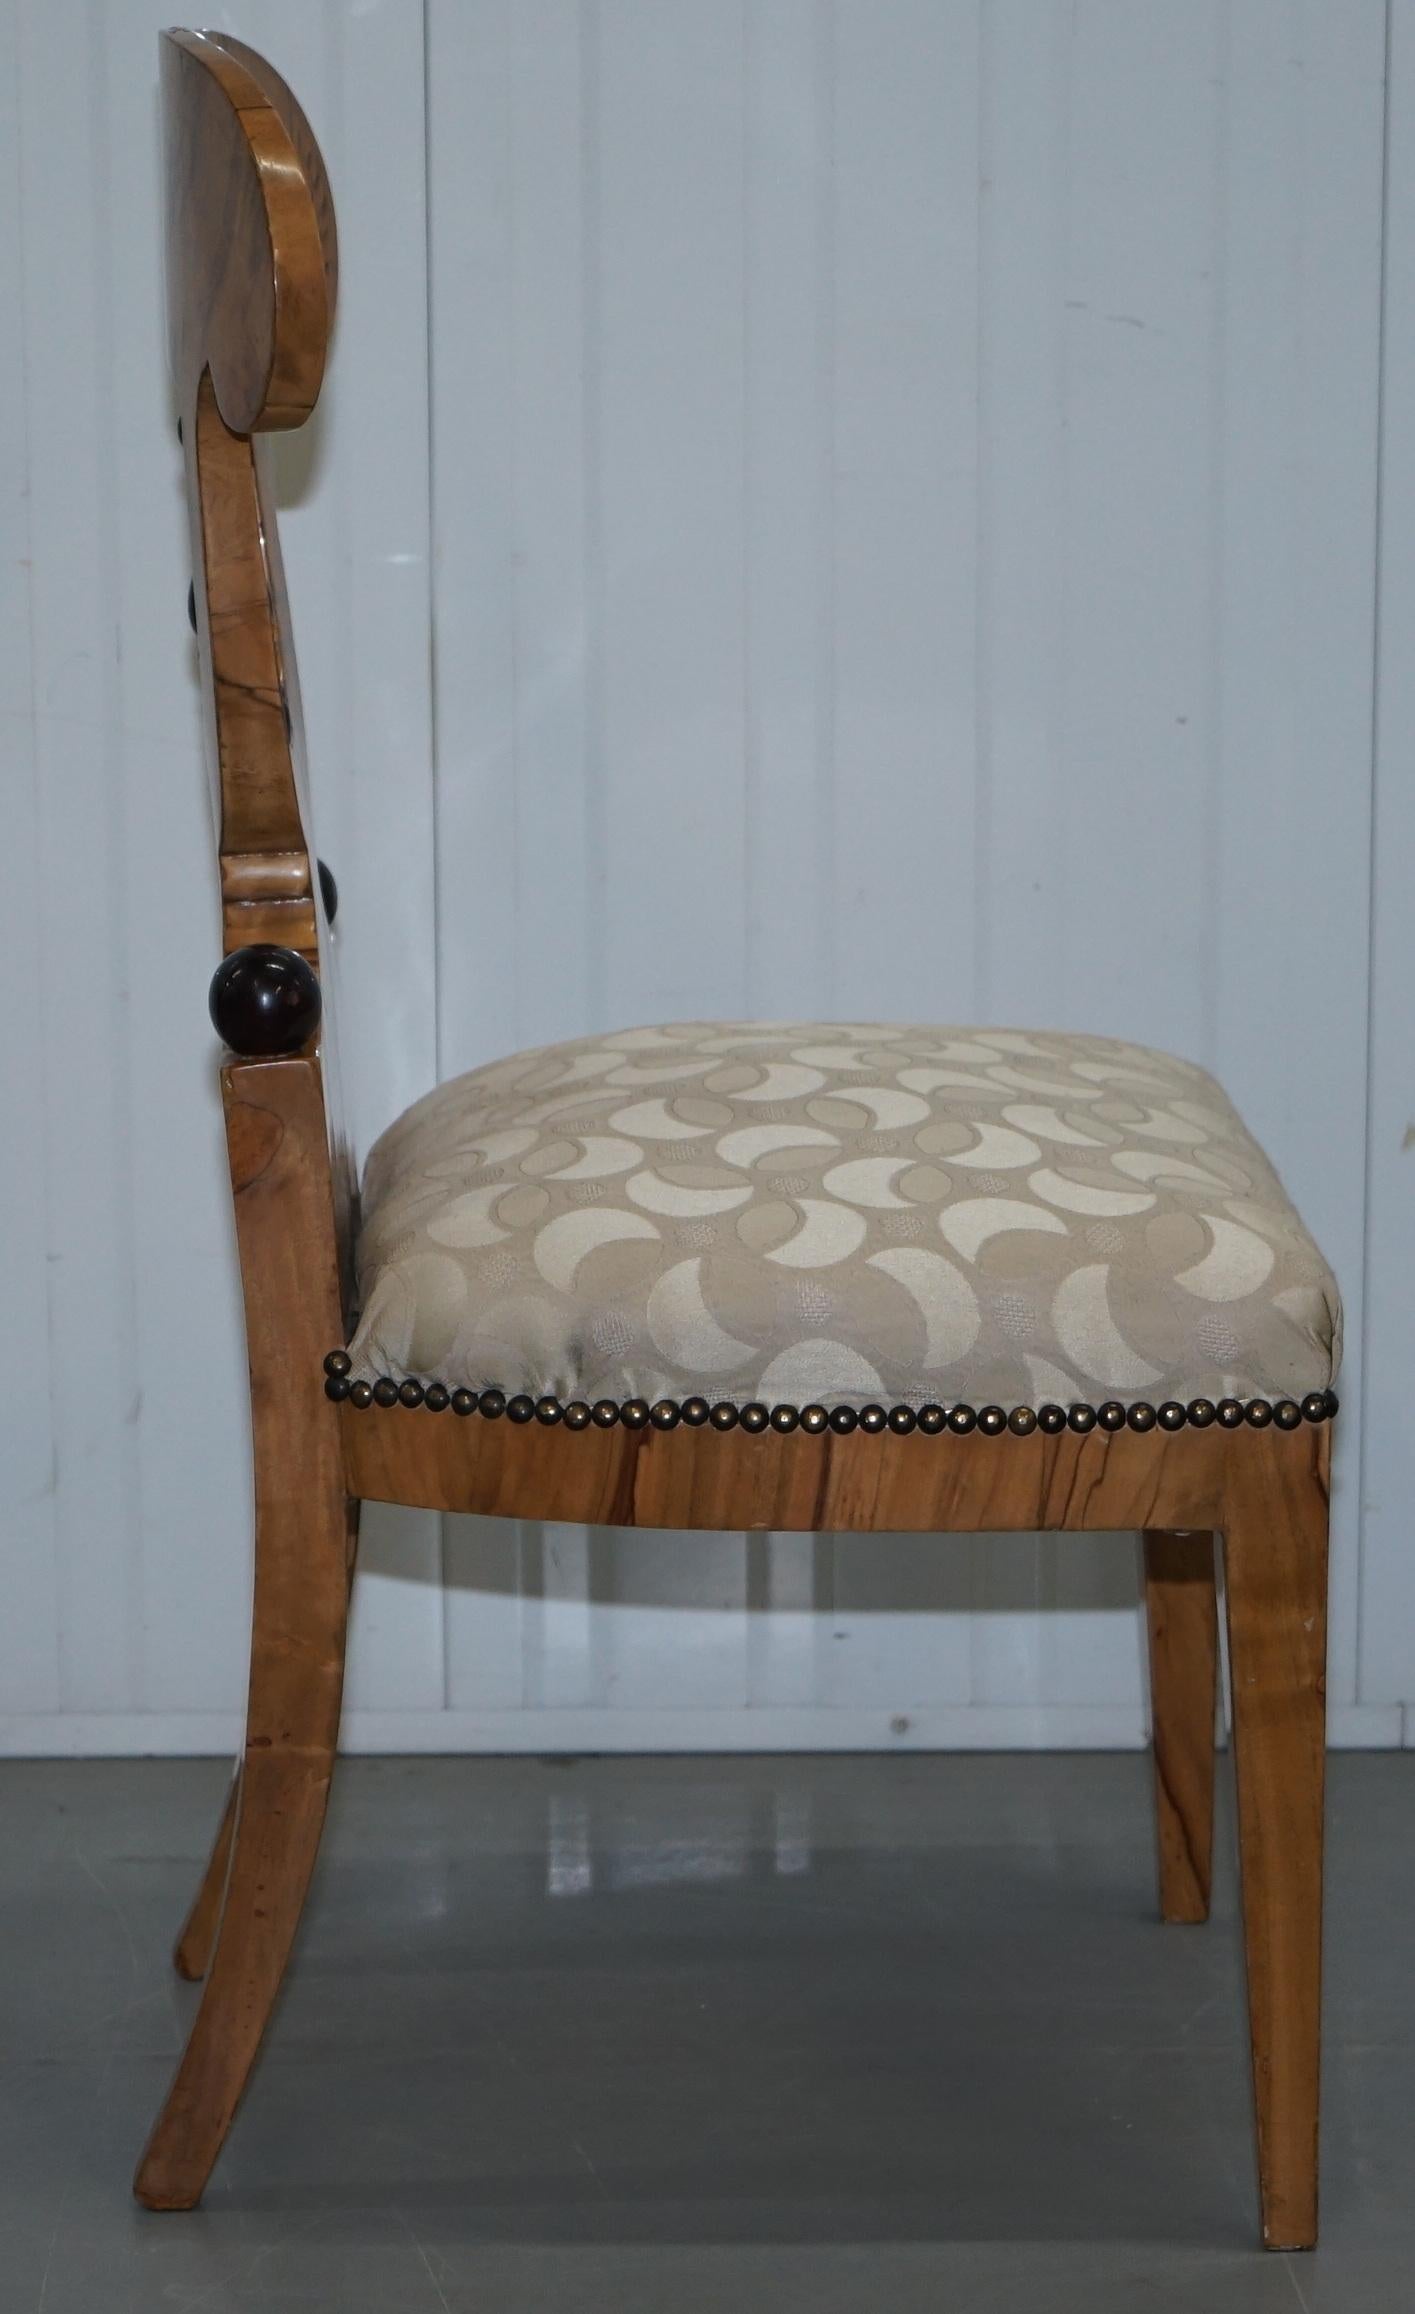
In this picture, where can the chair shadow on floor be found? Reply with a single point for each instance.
(645, 2016)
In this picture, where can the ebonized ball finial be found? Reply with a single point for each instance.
(264, 1001)
(328, 891)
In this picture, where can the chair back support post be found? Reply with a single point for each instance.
(251, 281)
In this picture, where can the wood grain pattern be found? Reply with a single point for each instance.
(251, 267)
(264, 852)
(858, 1483)
(252, 276)
(251, 261)
(1275, 1582)
(285, 1234)
(1181, 1608)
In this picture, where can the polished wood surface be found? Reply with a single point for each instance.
(250, 279)
(252, 270)
(1275, 1587)
(251, 260)
(267, 884)
(285, 1236)
(858, 1483)
(1181, 1609)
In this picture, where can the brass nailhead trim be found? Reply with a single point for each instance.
(667, 1413)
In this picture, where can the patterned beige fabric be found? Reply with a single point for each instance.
(809, 1211)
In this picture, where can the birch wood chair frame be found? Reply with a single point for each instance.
(251, 282)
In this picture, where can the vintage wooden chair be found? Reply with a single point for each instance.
(804, 1276)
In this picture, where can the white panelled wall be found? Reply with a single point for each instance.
(860, 506)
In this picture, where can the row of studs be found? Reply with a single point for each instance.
(667, 1413)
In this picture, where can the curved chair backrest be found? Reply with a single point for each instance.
(252, 253)
(251, 269)
(251, 276)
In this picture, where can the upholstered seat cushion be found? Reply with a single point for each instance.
(808, 1212)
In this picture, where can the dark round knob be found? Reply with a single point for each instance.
(192, 605)
(328, 892)
(264, 1000)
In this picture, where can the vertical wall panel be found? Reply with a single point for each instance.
(788, 718)
(899, 793)
(664, 258)
(77, 977)
(788, 457)
(1294, 612)
(506, 89)
(902, 360)
(1100, 343)
(355, 525)
(869, 508)
(29, 1616)
(1387, 1596)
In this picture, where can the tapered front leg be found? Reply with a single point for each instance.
(1275, 1570)
(1181, 1610)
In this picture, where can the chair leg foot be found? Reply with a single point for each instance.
(297, 1671)
(196, 1939)
(283, 1799)
(1182, 1612)
(1275, 1566)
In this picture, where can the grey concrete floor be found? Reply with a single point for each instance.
(697, 2037)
